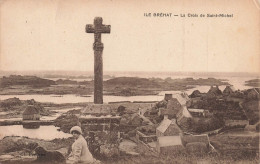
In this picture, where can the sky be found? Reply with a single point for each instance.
(50, 35)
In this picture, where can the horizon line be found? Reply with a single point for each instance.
(122, 71)
(137, 72)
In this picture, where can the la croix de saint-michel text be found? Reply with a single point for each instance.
(169, 15)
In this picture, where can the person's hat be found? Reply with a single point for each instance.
(76, 128)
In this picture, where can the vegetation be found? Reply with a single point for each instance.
(205, 124)
(252, 109)
(220, 107)
(237, 144)
(66, 122)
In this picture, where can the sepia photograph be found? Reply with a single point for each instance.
(129, 82)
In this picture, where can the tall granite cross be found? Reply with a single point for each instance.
(98, 47)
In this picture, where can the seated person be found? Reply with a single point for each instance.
(80, 152)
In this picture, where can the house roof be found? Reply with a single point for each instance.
(181, 97)
(173, 104)
(31, 110)
(215, 90)
(255, 89)
(165, 141)
(230, 87)
(135, 116)
(164, 125)
(185, 112)
(164, 111)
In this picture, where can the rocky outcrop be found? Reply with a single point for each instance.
(195, 93)
(11, 102)
(15, 106)
(67, 81)
(253, 83)
(26, 145)
(32, 81)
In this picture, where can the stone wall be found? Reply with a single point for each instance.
(171, 150)
(102, 135)
(231, 123)
(144, 138)
(194, 138)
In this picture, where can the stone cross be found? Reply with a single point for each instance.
(98, 28)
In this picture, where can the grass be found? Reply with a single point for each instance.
(188, 159)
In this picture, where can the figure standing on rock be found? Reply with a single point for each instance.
(80, 152)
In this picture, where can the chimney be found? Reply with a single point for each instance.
(165, 116)
(167, 96)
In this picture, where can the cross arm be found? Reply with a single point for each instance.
(105, 28)
(90, 28)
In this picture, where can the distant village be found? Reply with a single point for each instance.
(183, 123)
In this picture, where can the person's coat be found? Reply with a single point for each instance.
(80, 152)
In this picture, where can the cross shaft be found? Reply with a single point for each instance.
(98, 28)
